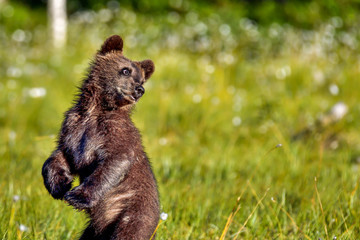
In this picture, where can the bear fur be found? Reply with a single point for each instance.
(99, 143)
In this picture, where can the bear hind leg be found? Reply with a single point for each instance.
(131, 227)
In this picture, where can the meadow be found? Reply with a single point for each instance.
(251, 129)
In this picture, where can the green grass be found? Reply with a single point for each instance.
(212, 114)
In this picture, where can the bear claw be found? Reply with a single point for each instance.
(77, 199)
(58, 191)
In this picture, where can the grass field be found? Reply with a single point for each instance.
(224, 94)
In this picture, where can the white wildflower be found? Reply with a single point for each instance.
(215, 101)
(192, 17)
(197, 98)
(163, 216)
(231, 89)
(13, 72)
(318, 76)
(173, 17)
(23, 228)
(189, 89)
(37, 92)
(236, 121)
(229, 59)
(105, 15)
(163, 141)
(336, 22)
(201, 28)
(334, 145)
(19, 35)
(334, 89)
(12, 136)
(339, 110)
(283, 72)
(224, 29)
(210, 69)
(16, 198)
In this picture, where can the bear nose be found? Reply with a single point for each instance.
(139, 91)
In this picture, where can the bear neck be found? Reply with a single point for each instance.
(93, 102)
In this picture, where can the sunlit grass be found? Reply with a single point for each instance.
(222, 96)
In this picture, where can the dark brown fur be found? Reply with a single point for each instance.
(99, 143)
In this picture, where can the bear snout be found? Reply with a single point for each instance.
(139, 91)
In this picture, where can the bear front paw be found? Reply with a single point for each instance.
(57, 181)
(58, 190)
(79, 199)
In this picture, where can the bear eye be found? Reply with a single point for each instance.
(125, 71)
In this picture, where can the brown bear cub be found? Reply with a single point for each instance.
(99, 143)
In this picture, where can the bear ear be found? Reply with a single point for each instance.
(114, 42)
(148, 67)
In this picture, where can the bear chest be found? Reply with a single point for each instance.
(83, 144)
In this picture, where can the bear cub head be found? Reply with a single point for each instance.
(119, 79)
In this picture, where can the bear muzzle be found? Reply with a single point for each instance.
(139, 91)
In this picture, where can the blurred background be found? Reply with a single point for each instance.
(251, 118)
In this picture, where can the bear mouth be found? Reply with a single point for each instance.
(128, 95)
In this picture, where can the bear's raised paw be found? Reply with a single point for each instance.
(79, 199)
